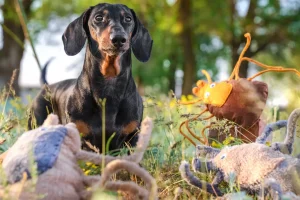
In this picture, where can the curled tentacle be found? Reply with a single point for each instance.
(133, 168)
(291, 130)
(130, 188)
(186, 123)
(218, 178)
(192, 180)
(269, 129)
(235, 71)
(91, 180)
(202, 166)
(272, 189)
(286, 147)
(203, 151)
(94, 158)
(142, 143)
(184, 135)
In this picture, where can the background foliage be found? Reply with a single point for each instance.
(188, 35)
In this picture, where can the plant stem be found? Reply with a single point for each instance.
(103, 101)
(23, 21)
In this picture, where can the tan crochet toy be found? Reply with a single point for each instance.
(254, 166)
(56, 149)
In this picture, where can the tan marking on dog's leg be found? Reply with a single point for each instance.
(82, 127)
(129, 128)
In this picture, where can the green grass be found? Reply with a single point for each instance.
(165, 153)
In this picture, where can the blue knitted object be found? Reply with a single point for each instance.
(269, 129)
(47, 148)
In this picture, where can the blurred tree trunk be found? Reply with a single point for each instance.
(186, 36)
(172, 71)
(237, 40)
(12, 52)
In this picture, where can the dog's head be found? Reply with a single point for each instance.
(113, 28)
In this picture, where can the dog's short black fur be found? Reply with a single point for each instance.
(111, 30)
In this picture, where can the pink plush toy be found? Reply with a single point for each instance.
(56, 149)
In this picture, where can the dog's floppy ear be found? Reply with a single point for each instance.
(75, 35)
(141, 41)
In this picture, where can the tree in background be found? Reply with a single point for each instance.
(189, 67)
(273, 24)
(13, 41)
(188, 35)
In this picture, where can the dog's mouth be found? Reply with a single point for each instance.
(115, 51)
(110, 78)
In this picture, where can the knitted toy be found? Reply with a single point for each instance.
(240, 100)
(254, 164)
(287, 146)
(56, 149)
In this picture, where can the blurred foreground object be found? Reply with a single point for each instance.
(55, 150)
(255, 167)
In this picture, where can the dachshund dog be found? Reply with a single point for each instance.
(111, 30)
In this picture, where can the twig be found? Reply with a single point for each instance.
(103, 101)
(12, 35)
(23, 20)
(92, 147)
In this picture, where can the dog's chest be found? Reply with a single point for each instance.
(112, 88)
(88, 116)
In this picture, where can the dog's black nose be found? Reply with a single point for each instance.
(118, 40)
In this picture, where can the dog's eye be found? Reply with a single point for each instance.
(99, 18)
(128, 19)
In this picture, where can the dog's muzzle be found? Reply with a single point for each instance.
(118, 40)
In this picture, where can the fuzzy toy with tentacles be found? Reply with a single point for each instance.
(254, 165)
(240, 100)
(56, 149)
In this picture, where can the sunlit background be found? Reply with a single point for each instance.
(189, 36)
(215, 29)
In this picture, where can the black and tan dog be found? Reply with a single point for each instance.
(111, 30)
